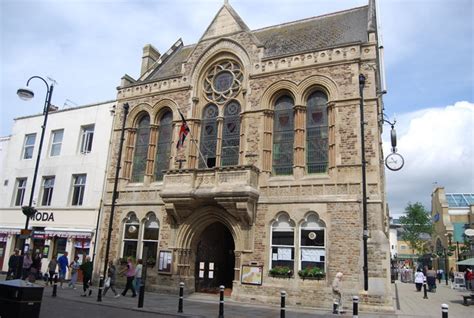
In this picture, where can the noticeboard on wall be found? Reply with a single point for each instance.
(164, 262)
(251, 275)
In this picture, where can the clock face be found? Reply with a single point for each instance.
(394, 161)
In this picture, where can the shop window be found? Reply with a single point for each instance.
(283, 242)
(283, 136)
(130, 235)
(29, 146)
(312, 243)
(20, 191)
(317, 133)
(56, 142)
(47, 191)
(150, 237)
(141, 149)
(60, 246)
(163, 151)
(78, 189)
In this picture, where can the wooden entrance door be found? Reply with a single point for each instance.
(215, 259)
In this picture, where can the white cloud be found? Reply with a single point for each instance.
(437, 144)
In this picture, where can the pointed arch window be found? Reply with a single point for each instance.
(231, 134)
(283, 136)
(209, 136)
(283, 242)
(162, 159)
(151, 231)
(141, 149)
(312, 243)
(131, 228)
(317, 133)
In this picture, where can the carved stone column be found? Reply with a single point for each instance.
(299, 146)
(151, 150)
(267, 140)
(331, 135)
(130, 145)
(238, 265)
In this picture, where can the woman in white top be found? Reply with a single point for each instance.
(419, 279)
(138, 275)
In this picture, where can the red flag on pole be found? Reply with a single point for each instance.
(183, 132)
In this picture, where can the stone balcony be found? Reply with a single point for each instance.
(234, 189)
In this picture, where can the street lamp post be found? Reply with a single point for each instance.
(27, 94)
(364, 186)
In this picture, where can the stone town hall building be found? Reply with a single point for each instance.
(269, 175)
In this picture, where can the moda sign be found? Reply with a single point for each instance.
(43, 216)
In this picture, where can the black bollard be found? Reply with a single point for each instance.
(141, 295)
(355, 306)
(101, 286)
(425, 294)
(221, 301)
(282, 304)
(181, 292)
(55, 285)
(444, 309)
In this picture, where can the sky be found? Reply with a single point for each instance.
(86, 46)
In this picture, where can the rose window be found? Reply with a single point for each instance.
(223, 81)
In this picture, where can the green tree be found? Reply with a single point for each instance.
(417, 225)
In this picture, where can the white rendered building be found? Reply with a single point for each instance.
(69, 182)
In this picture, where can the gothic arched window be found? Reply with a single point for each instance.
(283, 136)
(223, 81)
(209, 136)
(141, 149)
(283, 242)
(231, 134)
(131, 228)
(317, 133)
(162, 158)
(312, 243)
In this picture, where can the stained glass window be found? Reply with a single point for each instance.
(317, 133)
(231, 135)
(141, 149)
(163, 150)
(223, 81)
(283, 136)
(209, 137)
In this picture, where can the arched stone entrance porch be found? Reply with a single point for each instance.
(209, 245)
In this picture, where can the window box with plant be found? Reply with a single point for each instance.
(311, 273)
(151, 261)
(281, 271)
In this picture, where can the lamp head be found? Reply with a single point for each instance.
(25, 93)
(361, 80)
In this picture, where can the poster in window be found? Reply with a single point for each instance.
(164, 262)
(284, 254)
(311, 255)
(251, 275)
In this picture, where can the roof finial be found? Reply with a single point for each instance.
(226, 2)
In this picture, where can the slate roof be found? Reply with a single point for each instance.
(312, 34)
(315, 33)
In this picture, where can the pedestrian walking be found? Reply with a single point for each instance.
(419, 279)
(451, 277)
(15, 263)
(86, 269)
(431, 279)
(26, 267)
(74, 267)
(138, 274)
(110, 280)
(53, 264)
(439, 275)
(469, 279)
(63, 263)
(36, 267)
(337, 294)
(130, 274)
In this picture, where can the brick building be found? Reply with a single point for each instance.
(269, 175)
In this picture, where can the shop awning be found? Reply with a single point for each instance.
(9, 230)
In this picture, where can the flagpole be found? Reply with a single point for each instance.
(193, 140)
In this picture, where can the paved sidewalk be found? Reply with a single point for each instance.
(412, 304)
(195, 305)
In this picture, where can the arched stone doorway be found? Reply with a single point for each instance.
(215, 260)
